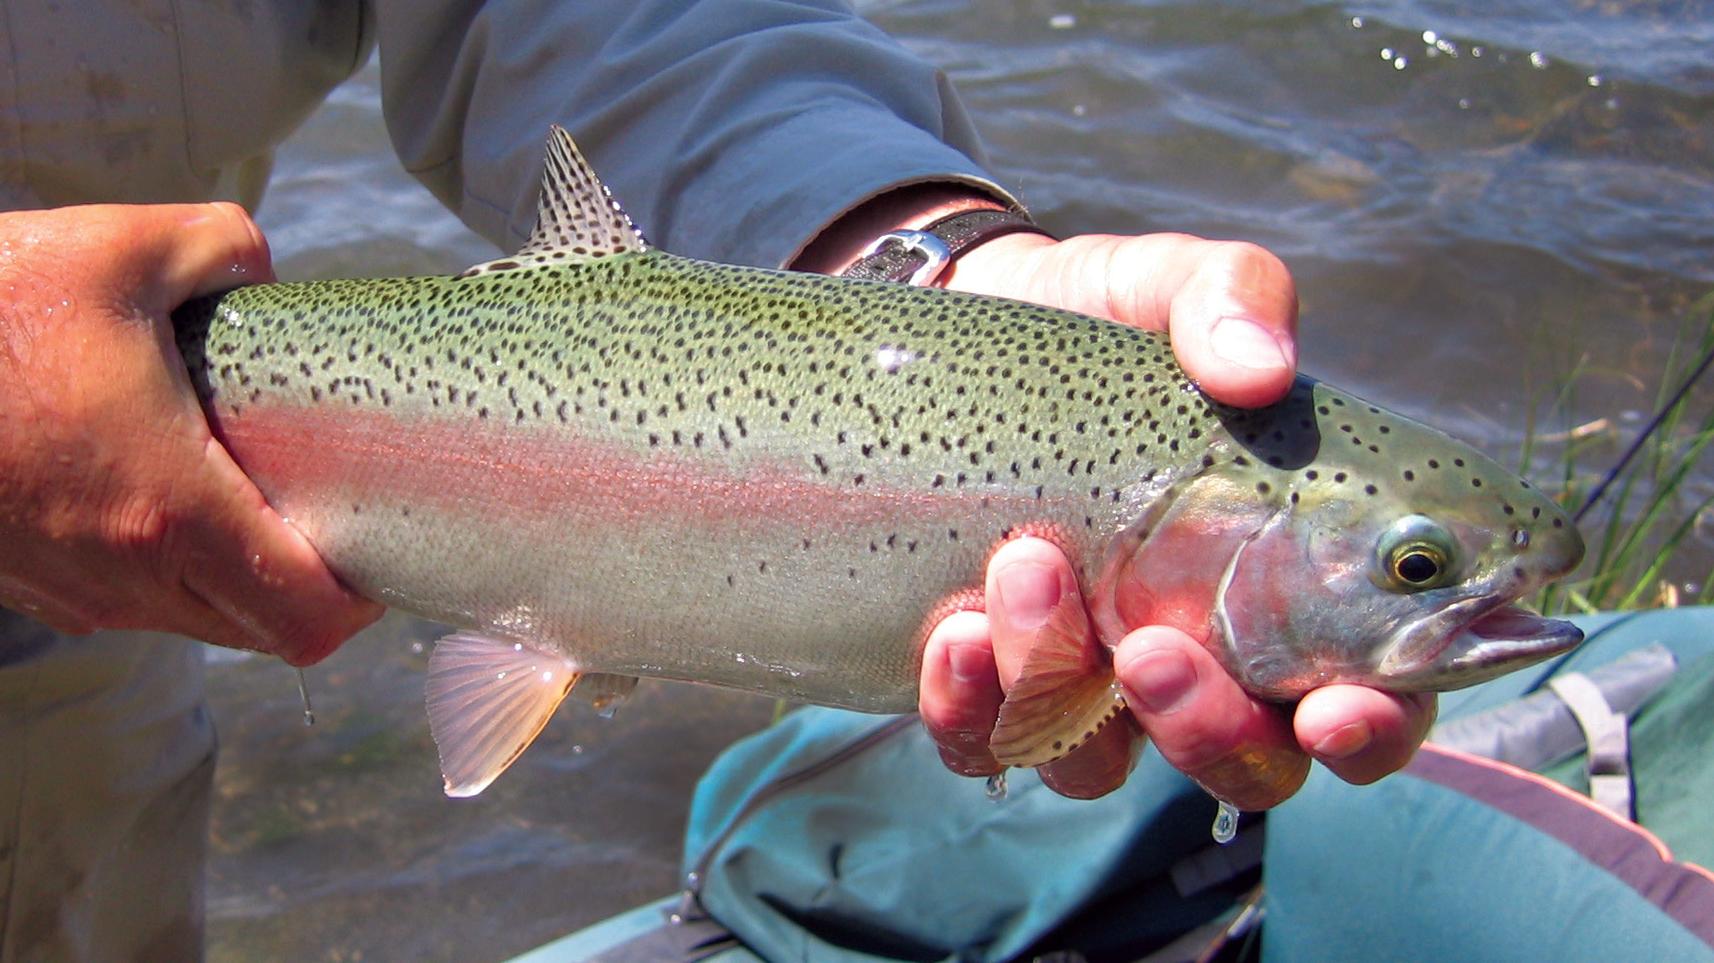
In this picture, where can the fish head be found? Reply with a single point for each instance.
(1346, 543)
(1394, 556)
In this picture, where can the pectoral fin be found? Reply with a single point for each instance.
(1063, 695)
(488, 699)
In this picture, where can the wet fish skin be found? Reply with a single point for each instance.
(632, 464)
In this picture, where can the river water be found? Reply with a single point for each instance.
(1475, 198)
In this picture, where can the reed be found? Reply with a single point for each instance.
(1640, 518)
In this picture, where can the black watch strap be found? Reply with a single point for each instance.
(920, 257)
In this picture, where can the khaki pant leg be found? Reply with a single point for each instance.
(106, 768)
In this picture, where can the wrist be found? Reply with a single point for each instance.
(998, 266)
(912, 207)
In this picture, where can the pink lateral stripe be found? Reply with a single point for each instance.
(462, 465)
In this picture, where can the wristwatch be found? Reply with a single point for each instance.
(921, 256)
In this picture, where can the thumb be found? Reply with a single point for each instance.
(184, 251)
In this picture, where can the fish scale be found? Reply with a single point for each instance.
(639, 464)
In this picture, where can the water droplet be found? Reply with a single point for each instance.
(1595, 80)
(1356, 23)
(693, 879)
(577, 749)
(1400, 62)
(1429, 37)
(1225, 823)
(1538, 60)
(996, 788)
(676, 920)
(303, 693)
(1387, 53)
(1079, 110)
(1475, 51)
(416, 648)
(500, 677)
(1062, 21)
(1463, 103)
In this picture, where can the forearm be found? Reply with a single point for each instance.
(734, 130)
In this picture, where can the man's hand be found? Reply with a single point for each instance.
(1231, 309)
(118, 508)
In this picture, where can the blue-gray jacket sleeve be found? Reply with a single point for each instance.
(730, 129)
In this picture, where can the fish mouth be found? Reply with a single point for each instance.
(1473, 641)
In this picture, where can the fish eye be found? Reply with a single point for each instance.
(1414, 554)
(1418, 567)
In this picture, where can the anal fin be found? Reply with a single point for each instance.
(488, 699)
(1063, 695)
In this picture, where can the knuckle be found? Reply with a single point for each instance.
(1248, 254)
(143, 527)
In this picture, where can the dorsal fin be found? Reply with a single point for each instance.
(576, 218)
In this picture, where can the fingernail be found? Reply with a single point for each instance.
(970, 664)
(1163, 682)
(1345, 741)
(1028, 593)
(1243, 342)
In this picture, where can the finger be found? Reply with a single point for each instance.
(960, 694)
(1362, 734)
(187, 250)
(1241, 750)
(1233, 322)
(1028, 578)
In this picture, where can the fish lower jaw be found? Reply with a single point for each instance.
(1485, 639)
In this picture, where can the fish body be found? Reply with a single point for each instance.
(602, 459)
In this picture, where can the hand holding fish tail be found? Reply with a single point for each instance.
(118, 507)
(1231, 309)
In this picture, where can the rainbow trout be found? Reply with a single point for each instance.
(601, 461)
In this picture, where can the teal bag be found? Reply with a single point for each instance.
(837, 836)
(1459, 857)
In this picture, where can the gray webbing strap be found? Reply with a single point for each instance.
(1538, 730)
(1608, 736)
